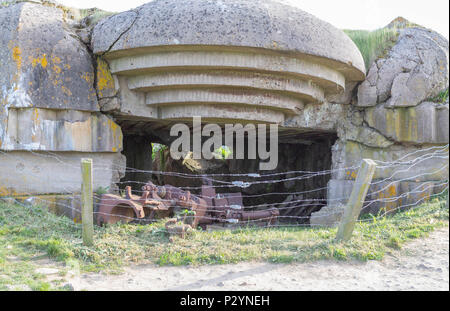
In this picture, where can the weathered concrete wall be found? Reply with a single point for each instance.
(421, 124)
(24, 173)
(61, 130)
(43, 64)
(394, 115)
(349, 154)
(48, 102)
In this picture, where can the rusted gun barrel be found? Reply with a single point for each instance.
(155, 202)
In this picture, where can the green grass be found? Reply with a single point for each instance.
(95, 14)
(441, 98)
(32, 232)
(373, 44)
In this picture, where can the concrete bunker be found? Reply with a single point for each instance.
(240, 63)
(108, 91)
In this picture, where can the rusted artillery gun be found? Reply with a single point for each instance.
(158, 202)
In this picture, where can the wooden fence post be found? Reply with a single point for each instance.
(87, 216)
(356, 200)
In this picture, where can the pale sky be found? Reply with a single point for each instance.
(344, 14)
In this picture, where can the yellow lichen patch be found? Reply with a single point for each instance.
(112, 125)
(36, 116)
(17, 56)
(56, 60)
(89, 78)
(44, 62)
(6, 191)
(56, 69)
(389, 193)
(105, 80)
(40, 60)
(413, 132)
(117, 135)
(392, 191)
(66, 91)
(351, 174)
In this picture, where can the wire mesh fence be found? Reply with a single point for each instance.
(218, 201)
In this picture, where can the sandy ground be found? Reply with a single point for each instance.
(421, 265)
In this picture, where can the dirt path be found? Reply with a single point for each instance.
(421, 265)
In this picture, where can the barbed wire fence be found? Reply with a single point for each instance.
(386, 194)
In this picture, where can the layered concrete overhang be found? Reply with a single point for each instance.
(227, 61)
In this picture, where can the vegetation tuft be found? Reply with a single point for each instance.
(95, 15)
(373, 44)
(441, 98)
